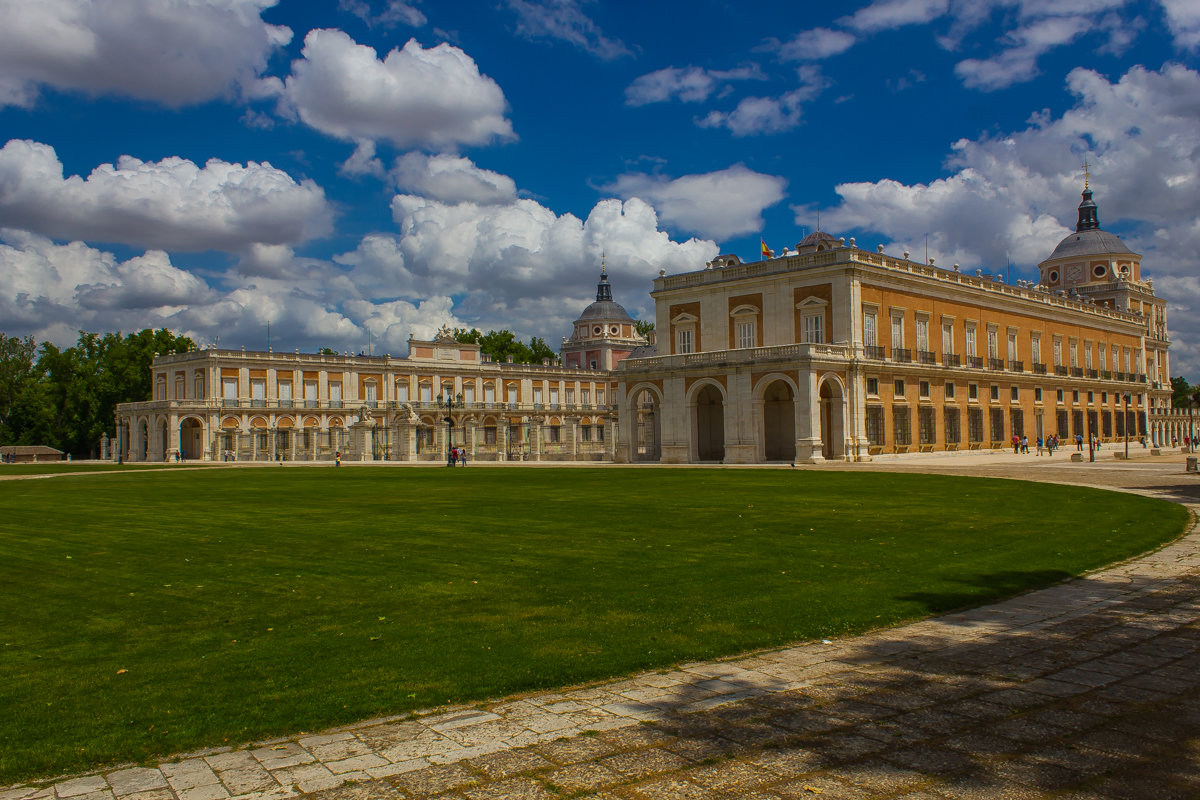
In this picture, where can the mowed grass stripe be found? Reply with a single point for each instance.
(149, 613)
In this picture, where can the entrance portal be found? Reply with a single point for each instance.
(779, 422)
(833, 420)
(710, 424)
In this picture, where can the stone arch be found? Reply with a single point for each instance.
(831, 394)
(775, 398)
(707, 406)
(645, 408)
(191, 437)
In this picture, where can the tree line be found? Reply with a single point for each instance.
(1184, 394)
(66, 398)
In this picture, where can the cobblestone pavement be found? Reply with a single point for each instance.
(1088, 689)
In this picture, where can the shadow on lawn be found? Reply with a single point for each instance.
(982, 588)
(1103, 702)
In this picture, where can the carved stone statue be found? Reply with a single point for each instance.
(364, 414)
(409, 414)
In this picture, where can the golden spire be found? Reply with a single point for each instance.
(1086, 174)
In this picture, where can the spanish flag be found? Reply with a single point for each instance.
(766, 251)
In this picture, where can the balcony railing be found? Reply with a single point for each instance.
(1106, 374)
(975, 362)
(1060, 370)
(926, 357)
(1039, 369)
(995, 363)
(875, 352)
(1091, 373)
(1118, 376)
(1016, 366)
(902, 354)
(1076, 372)
(951, 360)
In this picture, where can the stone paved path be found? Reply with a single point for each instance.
(1089, 689)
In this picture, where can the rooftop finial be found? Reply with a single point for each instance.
(603, 290)
(1089, 217)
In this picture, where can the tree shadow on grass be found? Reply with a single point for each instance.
(985, 588)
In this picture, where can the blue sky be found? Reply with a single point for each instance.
(363, 170)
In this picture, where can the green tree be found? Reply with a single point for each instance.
(17, 370)
(644, 328)
(539, 351)
(1180, 392)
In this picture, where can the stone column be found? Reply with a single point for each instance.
(808, 419)
(675, 423)
(741, 420)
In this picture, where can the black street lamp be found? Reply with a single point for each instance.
(1091, 440)
(1126, 426)
(448, 403)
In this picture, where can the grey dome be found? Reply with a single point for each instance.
(818, 237)
(605, 311)
(1093, 242)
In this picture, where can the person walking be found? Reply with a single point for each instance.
(337, 458)
(462, 456)
(1039, 445)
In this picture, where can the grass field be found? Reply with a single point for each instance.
(145, 613)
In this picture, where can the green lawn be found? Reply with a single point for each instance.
(55, 467)
(145, 613)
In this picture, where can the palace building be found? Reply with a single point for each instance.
(826, 352)
(832, 352)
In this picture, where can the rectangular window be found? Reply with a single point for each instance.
(949, 391)
(554, 397)
(468, 393)
(873, 386)
(995, 392)
(897, 332)
(1127, 360)
(870, 332)
(947, 339)
(923, 334)
(953, 421)
(1087, 355)
(971, 348)
(1074, 353)
(229, 388)
(1016, 419)
(683, 340)
(1075, 396)
(537, 395)
(975, 424)
(898, 388)
(814, 328)
(745, 334)
(973, 391)
(1012, 347)
(570, 397)
(1014, 394)
(902, 425)
(1057, 352)
(554, 434)
(1059, 395)
(923, 388)
(586, 396)
(489, 393)
(489, 434)
(1116, 359)
(372, 392)
(1037, 395)
(335, 395)
(998, 425)
(925, 425)
(198, 387)
(1035, 348)
(310, 393)
(599, 397)
(993, 346)
(875, 425)
(258, 392)
(512, 394)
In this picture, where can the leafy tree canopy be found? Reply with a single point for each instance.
(66, 398)
(504, 343)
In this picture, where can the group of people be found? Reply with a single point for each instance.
(458, 457)
(1048, 445)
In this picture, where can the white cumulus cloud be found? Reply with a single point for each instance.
(565, 21)
(1015, 196)
(716, 205)
(756, 116)
(175, 52)
(689, 84)
(171, 204)
(451, 179)
(520, 265)
(415, 97)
